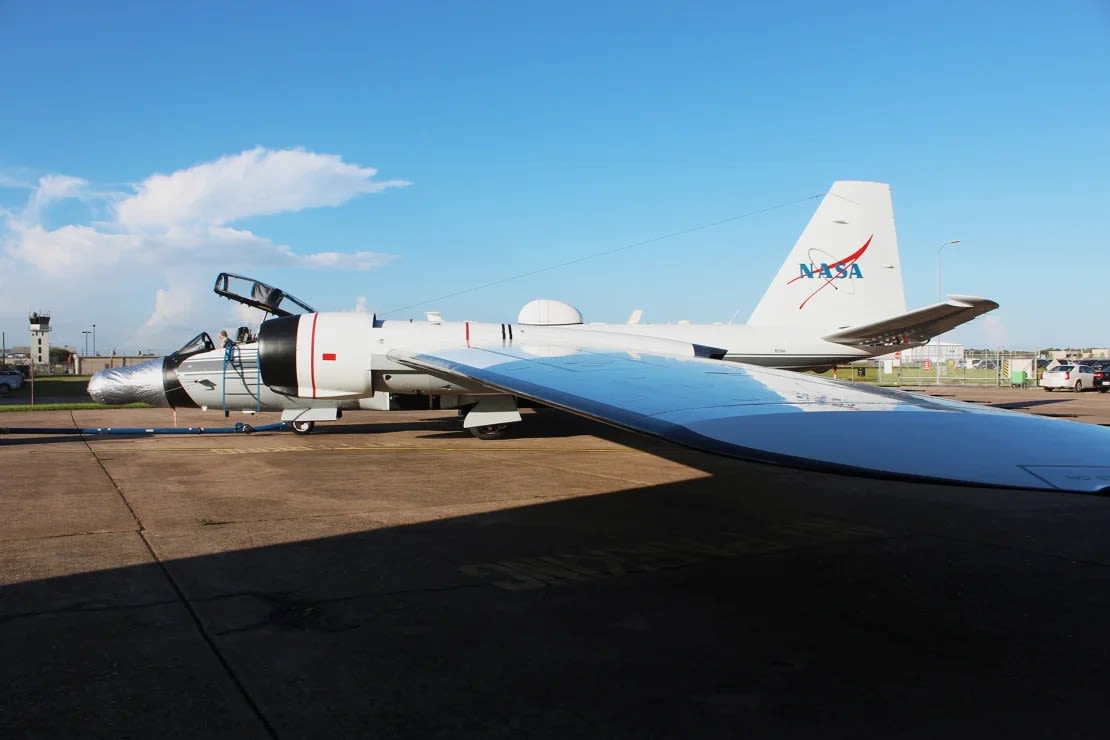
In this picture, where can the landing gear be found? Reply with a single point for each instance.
(490, 431)
(303, 427)
(489, 416)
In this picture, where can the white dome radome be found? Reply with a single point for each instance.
(548, 312)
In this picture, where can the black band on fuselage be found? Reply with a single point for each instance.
(277, 353)
(176, 396)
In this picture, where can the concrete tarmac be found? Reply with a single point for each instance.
(391, 576)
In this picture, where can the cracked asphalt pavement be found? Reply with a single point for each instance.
(390, 576)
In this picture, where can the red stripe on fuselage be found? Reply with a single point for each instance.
(312, 354)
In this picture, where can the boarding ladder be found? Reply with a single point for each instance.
(241, 367)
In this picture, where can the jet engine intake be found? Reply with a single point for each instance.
(317, 355)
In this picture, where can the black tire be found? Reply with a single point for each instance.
(490, 431)
(5, 389)
(303, 427)
(1079, 386)
(1047, 389)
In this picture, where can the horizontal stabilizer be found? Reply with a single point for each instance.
(916, 327)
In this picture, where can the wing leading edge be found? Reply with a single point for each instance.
(788, 418)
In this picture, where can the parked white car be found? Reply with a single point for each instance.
(10, 380)
(1077, 377)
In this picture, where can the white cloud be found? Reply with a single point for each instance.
(52, 188)
(247, 315)
(174, 230)
(171, 308)
(341, 261)
(256, 182)
(11, 181)
(69, 247)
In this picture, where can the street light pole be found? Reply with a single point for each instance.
(940, 298)
(942, 246)
(86, 332)
(94, 334)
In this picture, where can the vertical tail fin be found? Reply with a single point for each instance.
(844, 270)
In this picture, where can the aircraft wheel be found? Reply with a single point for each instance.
(1079, 386)
(490, 431)
(303, 427)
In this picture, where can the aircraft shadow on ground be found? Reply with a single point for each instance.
(754, 599)
(1028, 404)
(1031, 404)
(1020, 405)
(47, 439)
(13, 441)
(348, 427)
(541, 424)
(544, 424)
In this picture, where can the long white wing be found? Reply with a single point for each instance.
(788, 418)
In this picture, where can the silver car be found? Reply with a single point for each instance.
(1076, 377)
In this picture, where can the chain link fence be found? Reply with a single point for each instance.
(989, 369)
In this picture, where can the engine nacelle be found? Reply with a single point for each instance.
(317, 355)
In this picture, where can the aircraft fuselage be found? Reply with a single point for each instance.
(312, 366)
(786, 347)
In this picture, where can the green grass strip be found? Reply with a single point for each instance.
(5, 408)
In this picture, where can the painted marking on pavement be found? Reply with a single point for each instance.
(560, 569)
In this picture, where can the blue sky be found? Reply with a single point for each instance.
(361, 154)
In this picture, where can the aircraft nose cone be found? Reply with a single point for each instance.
(140, 383)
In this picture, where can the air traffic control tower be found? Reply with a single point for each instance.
(40, 338)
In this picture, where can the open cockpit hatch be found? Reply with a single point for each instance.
(251, 292)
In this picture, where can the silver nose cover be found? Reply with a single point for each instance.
(140, 383)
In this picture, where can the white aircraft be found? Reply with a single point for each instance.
(836, 299)
(669, 382)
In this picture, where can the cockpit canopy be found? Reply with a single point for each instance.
(200, 343)
(251, 292)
